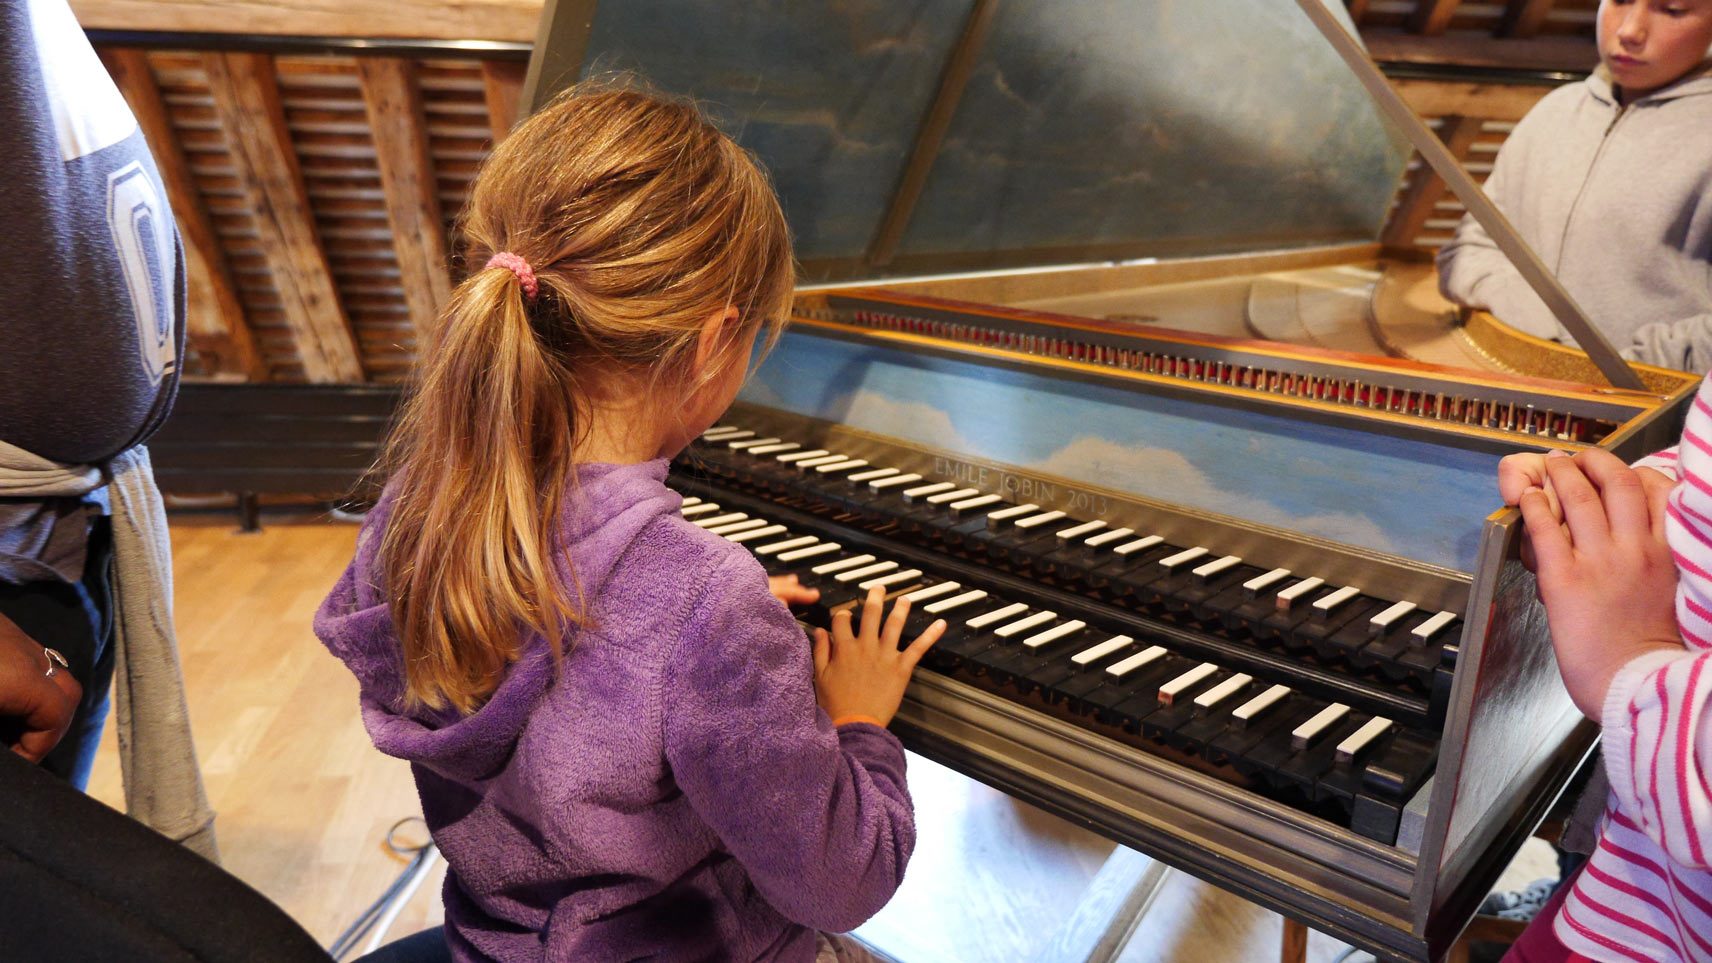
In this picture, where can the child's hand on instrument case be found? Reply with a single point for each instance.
(1606, 574)
(860, 675)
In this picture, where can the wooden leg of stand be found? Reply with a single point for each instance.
(1295, 942)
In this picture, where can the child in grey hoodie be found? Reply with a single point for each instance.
(624, 744)
(1610, 181)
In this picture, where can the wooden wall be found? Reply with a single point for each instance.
(316, 192)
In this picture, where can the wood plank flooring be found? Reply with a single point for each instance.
(304, 800)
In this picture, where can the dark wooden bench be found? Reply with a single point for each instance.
(251, 440)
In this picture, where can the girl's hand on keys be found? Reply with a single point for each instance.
(863, 672)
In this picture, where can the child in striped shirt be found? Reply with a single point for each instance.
(1633, 634)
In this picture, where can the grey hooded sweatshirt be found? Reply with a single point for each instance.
(1617, 201)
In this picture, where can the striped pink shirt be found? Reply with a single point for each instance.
(1646, 893)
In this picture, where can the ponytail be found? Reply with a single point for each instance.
(468, 551)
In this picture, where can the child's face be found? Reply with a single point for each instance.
(1647, 44)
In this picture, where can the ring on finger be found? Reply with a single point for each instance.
(56, 662)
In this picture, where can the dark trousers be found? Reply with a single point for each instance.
(77, 621)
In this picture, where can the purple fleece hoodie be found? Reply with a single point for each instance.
(673, 792)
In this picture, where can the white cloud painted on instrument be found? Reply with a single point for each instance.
(1167, 475)
(1149, 471)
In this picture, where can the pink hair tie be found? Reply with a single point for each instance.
(516, 265)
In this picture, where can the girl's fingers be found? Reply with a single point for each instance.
(1551, 545)
(822, 649)
(1517, 473)
(922, 643)
(1658, 487)
(841, 634)
(1583, 511)
(894, 629)
(1620, 490)
(873, 607)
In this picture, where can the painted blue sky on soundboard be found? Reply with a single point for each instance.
(1413, 499)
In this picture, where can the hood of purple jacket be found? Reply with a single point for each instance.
(606, 506)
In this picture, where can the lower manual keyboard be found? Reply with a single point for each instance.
(1250, 713)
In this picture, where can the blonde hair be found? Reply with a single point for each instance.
(641, 221)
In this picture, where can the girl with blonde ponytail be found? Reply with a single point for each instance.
(623, 743)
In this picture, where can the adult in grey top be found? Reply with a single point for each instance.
(92, 324)
(1616, 198)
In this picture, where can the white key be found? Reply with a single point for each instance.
(759, 450)
(801, 541)
(1020, 626)
(893, 481)
(732, 436)
(928, 489)
(1330, 602)
(812, 552)
(721, 431)
(1186, 555)
(1260, 703)
(896, 578)
(1169, 692)
(997, 615)
(755, 533)
(827, 568)
(793, 457)
(865, 572)
(719, 520)
(1384, 620)
(1123, 667)
(871, 474)
(691, 501)
(1077, 531)
(955, 601)
(933, 591)
(1139, 545)
(1224, 690)
(750, 443)
(1216, 566)
(1054, 634)
(807, 463)
(952, 496)
(1423, 633)
(1361, 738)
(1015, 511)
(1035, 521)
(1106, 538)
(1261, 583)
(1294, 592)
(701, 509)
(736, 527)
(1304, 735)
(976, 502)
(1102, 650)
(844, 465)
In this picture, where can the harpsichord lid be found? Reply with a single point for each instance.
(947, 135)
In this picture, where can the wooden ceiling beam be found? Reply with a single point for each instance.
(1523, 18)
(1437, 98)
(502, 84)
(214, 317)
(1573, 54)
(394, 102)
(1426, 187)
(1431, 17)
(511, 21)
(246, 97)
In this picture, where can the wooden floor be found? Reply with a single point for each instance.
(304, 800)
